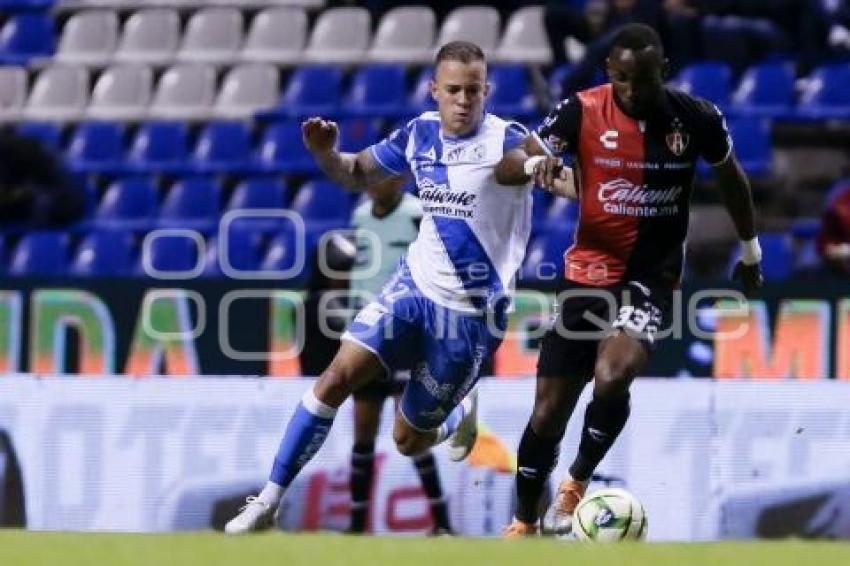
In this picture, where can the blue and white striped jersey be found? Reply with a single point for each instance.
(474, 231)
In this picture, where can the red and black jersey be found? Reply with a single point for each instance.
(634, 180)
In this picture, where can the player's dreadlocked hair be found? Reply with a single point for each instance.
(637, 37)
(461, 51)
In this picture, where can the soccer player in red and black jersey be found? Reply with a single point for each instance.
(635, 143)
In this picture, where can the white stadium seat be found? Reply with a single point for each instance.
(277, 35)
(525, 39)
(150, 36)
(122, 92)
(405, 35)
(89, 38)
(341, 35)
(60, 93)
(185, 92)
(247, 88)
(213, 35)
(478, 24)
(13, 92)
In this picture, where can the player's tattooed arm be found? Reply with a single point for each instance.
(356, 171)
(530, 161)
(738, 198)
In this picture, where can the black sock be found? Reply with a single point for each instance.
(604, 419)
(426, 466)
(362, 471)
(536, 459)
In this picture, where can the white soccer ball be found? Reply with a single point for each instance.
(609, 515)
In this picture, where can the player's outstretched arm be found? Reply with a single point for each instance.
(529, 162)
(738, 198)
(356, 171)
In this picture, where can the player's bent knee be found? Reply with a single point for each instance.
(613, 377)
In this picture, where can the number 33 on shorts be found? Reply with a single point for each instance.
(643, 320)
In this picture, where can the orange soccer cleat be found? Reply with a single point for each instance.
(519, 529)
(569, 494)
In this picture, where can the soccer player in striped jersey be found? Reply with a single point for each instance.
(444, 310)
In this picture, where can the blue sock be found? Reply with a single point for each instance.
(305, 434)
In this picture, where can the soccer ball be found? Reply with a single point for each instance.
(609, 515)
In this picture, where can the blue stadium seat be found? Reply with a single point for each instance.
(711, 81)
(377, 90)
(544, 260)
(282, 255)
(40, 254)
(313, 90)
(356, 134)
(766, 90)
(21, 5)
(243, 251)
(221, 147)
(260, 193)
(104, 253)
(282, 151)
(193, 203)
(751, 136)
(129, 203)
(170, 253)
(158, 147)
(510, 91)
(420, 97)
(48, 133)
(26, 36)
(95, 147)
(828, 96)
(323, 200)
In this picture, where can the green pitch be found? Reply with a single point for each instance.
(20, 548)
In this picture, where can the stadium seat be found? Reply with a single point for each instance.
(284, 255)
(158, 147)
(193, 203)
(340, 35)
(260, 194)
(13, 93)
(48, 133)
(102, 253)
(377, 90)
(311, 91)
(122, 92)
(510, 92)
(827, 95)
(356, 134)
(213, 35)
(150, 36)
(525, 39)
(405, 35)
(243, 251)
(170, 253)
(277, 35)
(478, 24)
(40, 254)
(128, 203)
(95, 147)
(281, 150)
(185, 92)
(222, 147)
(60, 93)
(724, 39)
(26, 36)
(766, 90)
(751, 136)
(89, 38)
(322, 200)
(708, 80)
(544, 260)
(247, 88)
(777, 256)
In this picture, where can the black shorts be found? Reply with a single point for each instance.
(586, 315)
(380, 389)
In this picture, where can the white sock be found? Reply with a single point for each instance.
(446, 429)
(271, 494)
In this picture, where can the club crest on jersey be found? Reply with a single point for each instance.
(677, 141)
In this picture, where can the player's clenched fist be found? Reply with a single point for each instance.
(319, 135)
(552, 175)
